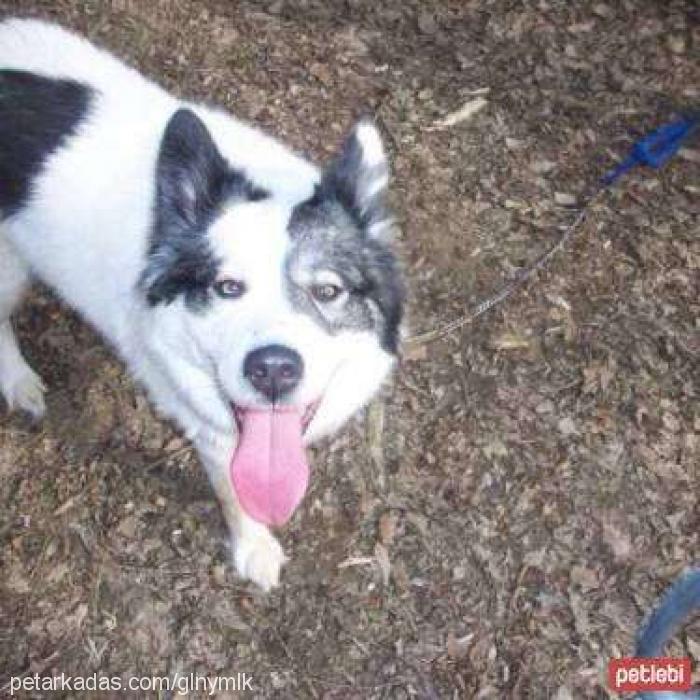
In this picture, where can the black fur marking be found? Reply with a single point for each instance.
(37, 114)
(193, 182)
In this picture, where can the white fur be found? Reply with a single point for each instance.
(372, 148)
(86, 234)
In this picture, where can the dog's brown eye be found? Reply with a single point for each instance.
(229, 289)
(326, 292)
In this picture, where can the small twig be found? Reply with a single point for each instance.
(467, 111)
(168, 456)
(520, 280)
(356, 561)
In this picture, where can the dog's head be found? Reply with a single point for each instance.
(291, 309)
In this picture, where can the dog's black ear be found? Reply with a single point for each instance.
(191, 172)
(359, 177)
(193, 182)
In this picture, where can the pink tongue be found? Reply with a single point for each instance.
(269, 469)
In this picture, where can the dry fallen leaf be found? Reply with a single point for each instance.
(321, 72)
(381, 555)
(458, 647)
(67, 505)
(387, 528)
(355, 561)
(465, 112)
(563, 693)
(581, 27)
(16, 582)
(375, 434)
(414, 352)
(567, 426)
(514, 144)
(77, 617)
(616, 536)
(584, 577)
(509, 341)
(542, 166)
(676, 43)
(128, 526)
(564, 199)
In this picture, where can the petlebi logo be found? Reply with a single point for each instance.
(632, 675)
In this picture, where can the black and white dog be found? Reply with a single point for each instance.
(256, 298)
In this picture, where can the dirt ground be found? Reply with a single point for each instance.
(496, 525)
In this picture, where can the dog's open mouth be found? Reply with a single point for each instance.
(269, 469)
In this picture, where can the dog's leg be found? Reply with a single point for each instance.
(19, 384)
(257, 554)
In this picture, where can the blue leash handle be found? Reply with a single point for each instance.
(654, 149)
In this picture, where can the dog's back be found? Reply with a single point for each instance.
(59, 90)
(47, 49)
(135, 102)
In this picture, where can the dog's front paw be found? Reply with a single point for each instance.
(259, 557)
(23, 390)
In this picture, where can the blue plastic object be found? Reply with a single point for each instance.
(655, 148)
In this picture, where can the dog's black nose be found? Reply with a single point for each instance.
(273, 370)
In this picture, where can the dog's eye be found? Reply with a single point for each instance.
(325, 293)
(229, 289)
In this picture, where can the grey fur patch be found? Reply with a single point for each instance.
(328, 237)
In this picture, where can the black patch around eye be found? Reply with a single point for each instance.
(385, 287)
(37, 115)
(193, 182)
